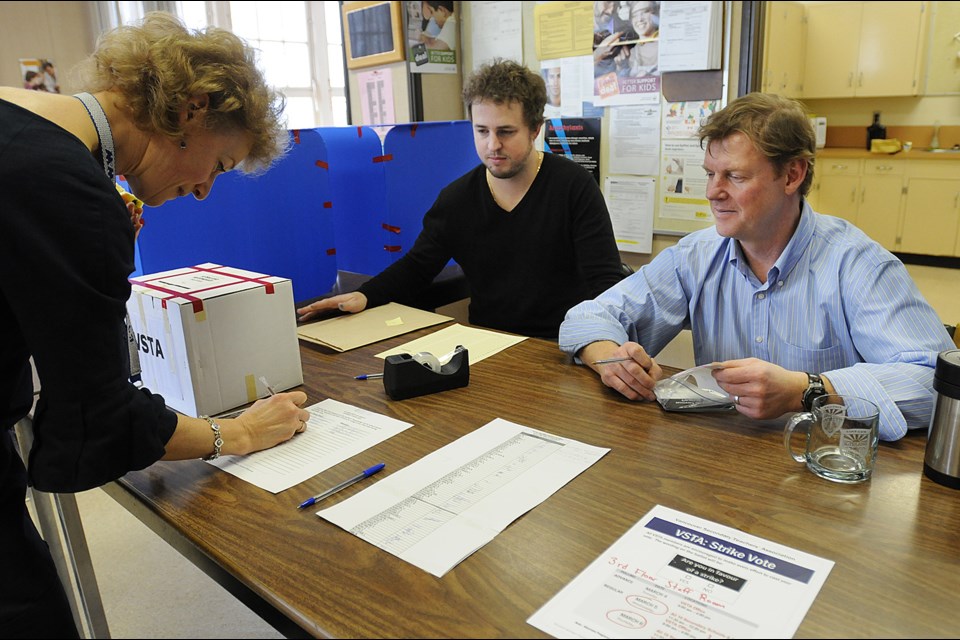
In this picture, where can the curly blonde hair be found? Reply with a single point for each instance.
(158, 64)
(504, 81)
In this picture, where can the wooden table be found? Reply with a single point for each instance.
(895, 539)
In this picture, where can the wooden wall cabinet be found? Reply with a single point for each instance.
(857, 49)
(943, 66)
(784, 41)
(931, 215)
(867, 193)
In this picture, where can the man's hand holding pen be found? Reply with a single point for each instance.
(626, 368)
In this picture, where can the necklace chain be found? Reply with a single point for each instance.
(490, 181)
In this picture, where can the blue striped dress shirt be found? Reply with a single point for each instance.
(835, 302)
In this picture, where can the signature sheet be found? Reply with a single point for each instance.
(439, 510)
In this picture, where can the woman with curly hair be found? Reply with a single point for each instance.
(170, 110)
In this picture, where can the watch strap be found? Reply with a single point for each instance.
(814, 390)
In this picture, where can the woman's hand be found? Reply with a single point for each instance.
(135, 207)
(273, 420)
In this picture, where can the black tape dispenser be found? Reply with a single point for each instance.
(408, 376)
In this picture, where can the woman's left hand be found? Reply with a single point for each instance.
(135, 207)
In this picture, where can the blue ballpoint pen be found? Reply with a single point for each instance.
(343, 485)
(368, 376)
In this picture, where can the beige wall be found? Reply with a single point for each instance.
(59, 31)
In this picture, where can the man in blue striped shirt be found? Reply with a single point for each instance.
(790, 302)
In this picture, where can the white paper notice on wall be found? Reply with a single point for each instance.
(691, 35)
(630, 200)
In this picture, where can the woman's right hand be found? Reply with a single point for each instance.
(273, 420)
(267, 423)
(353, 302)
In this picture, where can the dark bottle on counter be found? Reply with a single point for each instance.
(876, 131)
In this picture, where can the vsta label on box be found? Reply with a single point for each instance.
(206, 334)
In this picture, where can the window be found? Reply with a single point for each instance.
(301, 51)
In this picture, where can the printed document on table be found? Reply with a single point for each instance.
(673, 575)
(439, 510)
(335, 432)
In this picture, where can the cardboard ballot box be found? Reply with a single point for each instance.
(205, 336)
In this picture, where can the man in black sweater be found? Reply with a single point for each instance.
(530, 231)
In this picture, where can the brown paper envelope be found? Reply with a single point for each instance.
(370, 325)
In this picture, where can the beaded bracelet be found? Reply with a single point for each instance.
(217, 440)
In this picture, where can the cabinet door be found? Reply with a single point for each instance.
(879, 212)
(930, 217)
(943, 69)
(783, 46)
(890, 49)
(838, 190)
(833, 46)
(839, 196)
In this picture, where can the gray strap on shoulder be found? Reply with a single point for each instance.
(103, 131)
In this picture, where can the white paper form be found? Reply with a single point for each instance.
(673, 575)
(630, 201)
(335, 432)
(497, 30)
(635, 139)
(439, 510)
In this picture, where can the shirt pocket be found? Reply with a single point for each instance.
(812, 358)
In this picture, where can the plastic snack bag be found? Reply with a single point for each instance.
(693, 390)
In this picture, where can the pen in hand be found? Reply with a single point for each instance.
(267, 385)
(612, 360)
(343, 485)
(234, 414)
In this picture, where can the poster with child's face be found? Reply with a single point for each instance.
(432, 33)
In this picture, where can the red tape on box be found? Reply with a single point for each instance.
(194, 301)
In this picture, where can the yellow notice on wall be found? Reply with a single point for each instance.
(563, 29)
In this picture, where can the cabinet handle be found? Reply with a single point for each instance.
(860, 83)
(863, 195)
(883, 167)
(838, 166)
(850, 80)
(853, 194)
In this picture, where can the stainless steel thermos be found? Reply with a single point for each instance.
(942, 459)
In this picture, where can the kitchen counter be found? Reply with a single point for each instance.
(913, 154)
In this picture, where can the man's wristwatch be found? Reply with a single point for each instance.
(814, 390)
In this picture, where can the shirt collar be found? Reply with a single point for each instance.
(788, 258)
